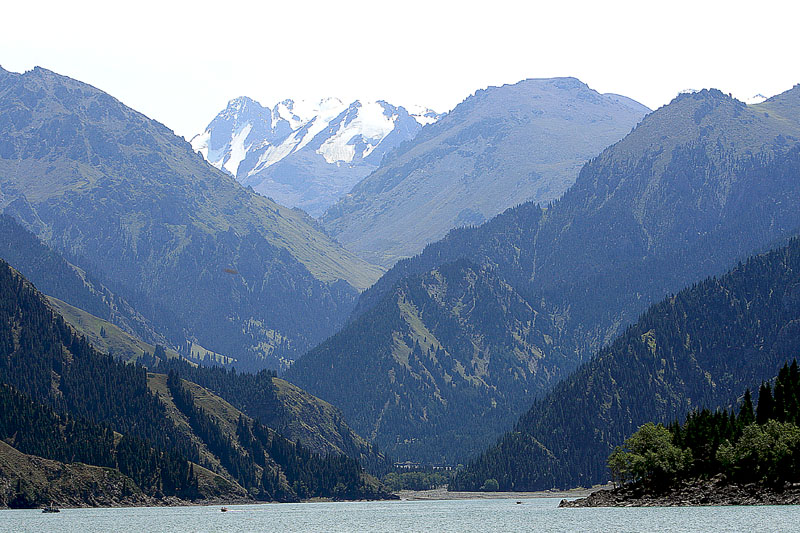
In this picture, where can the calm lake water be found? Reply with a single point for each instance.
(540, 515)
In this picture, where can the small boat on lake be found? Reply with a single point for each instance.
(224, 509)
(51, 509)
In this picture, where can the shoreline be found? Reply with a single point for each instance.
(403, 495)
(696, 493)
(443, 494)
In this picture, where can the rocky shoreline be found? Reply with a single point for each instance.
(716, 491)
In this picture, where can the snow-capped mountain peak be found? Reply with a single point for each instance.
(238, 119)
(279, 151)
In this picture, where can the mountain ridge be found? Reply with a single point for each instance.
(500, 147)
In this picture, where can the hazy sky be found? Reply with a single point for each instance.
(180, 62)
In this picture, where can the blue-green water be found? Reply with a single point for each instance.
(540, 515)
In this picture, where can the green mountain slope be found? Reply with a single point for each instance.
(699, 348)
(321, 427)
(254, 456)
(650, 215)
(285, 408)
(201, 257)
(47, 481)
(103, 335)
(279, 405)
(500, 147)
(64, 401)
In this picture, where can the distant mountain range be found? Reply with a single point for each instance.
(306, 155)
(496, 315)
(200, 257)
(499, 148)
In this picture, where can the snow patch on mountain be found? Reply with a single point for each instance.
(200, 143)
(367, 125)
(423, 115)
(328, 109)
(307, 120)
(238, 151)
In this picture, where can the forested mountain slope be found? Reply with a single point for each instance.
(699, 348)
(283, 407)
(198, 255)
(65, 401)
(445, 357)
(699, 184)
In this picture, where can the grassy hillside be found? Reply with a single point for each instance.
(54, 275)
(285, 408)
(103, 335)
(295, 413)
(440, 366)
(62, 400)
(322, 427)
(27, 481)
(109, 338)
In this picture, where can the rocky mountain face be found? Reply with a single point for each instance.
(499, 148)
(199, 256)
(699, 184)
(306, 155)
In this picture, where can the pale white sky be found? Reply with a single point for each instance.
(180, 62)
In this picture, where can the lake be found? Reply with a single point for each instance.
(538, 514)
